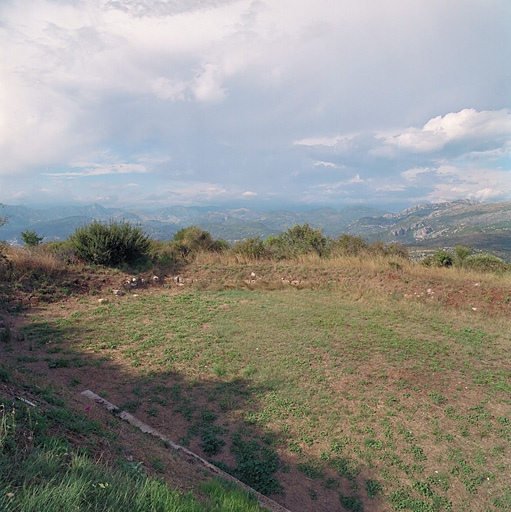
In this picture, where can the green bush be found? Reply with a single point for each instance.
(31, 238)
(485, 263)
(349, 245)
(250, 247)
(461, 253)
(165, 254)
(441, 258)
(193, 240)
(396, 249)
(298, 240)
(64, 251)
(110, 244)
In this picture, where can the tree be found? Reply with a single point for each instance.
(461, 253)
(31, 238)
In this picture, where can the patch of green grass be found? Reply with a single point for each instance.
(256, 465)
(373, 488)
(352, 503)
(311, 469)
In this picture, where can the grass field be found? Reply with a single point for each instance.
(327, 393)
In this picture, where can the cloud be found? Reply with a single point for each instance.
(468, 125)
(92, 169)
(219, 98)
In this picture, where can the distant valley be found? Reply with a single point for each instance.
(484, 227)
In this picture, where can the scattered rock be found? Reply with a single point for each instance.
(103, 301)
(120, 293)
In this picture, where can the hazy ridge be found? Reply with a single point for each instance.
(482, 226)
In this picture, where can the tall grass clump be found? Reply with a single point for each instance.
(110, 244)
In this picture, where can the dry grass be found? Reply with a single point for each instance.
(33, 259)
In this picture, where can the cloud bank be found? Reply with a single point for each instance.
(316, 102)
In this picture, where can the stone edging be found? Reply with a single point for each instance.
(264, 501)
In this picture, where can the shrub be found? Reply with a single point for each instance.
(441, 258)
(193, 240)
(349, 245)
(63, 251)
(250, 247)
(110, 244)
(296, 241)
(165, 254)
(461, 253)
(485, 263)
(396, 249)
(31, 238)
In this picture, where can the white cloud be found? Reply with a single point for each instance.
(324, 164)
(220, 89)
(414, 174)
(466, 125)
(93, 169)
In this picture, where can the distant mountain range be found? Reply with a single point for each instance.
(481, 226)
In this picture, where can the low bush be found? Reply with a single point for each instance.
(111, 244)
(349, 245)
(461, 253)
(440, 258)
(165, 254)
(193, 240)
(253, 248)
(485, 263)
(31, 238)
(296, 241)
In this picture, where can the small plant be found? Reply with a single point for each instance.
(373, 488)
(210, 443)
(310, 470)
(352, 503)
(256, 465)
(440, 258)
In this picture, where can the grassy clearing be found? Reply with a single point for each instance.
(383, 401)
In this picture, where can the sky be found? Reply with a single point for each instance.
(254, 103)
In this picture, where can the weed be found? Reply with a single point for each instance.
(352, 503)
(373, 488)
(256, 465)
(310, 469)
(131, 406)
